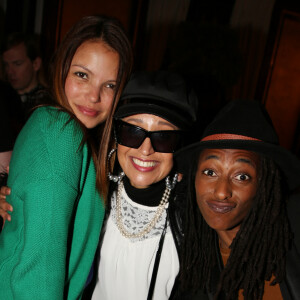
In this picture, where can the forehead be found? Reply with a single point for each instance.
(16, 52)
(93, 46)
(98, 58)
(148, 118)
(231, 155)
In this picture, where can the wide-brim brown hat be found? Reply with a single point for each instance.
(243, 124)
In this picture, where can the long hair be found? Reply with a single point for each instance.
(257, 252)
(109, 31)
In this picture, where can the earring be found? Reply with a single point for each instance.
(170, 185)
(114, 178)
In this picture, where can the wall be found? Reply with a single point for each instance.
(282, 89)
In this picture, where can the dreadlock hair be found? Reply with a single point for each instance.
(257, 252)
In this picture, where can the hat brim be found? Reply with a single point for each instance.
(166, 113)
(287, 162)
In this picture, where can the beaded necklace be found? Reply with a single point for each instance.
(160, 209)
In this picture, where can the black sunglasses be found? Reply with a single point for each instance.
(132, 136)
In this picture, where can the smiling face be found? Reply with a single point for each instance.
(91, 81)
(226, 184)
(144, 166)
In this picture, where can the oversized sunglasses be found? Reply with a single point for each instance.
(132, 136)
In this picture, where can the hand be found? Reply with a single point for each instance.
(4, 206)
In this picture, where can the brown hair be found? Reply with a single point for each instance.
(30, 40)
(109, 31)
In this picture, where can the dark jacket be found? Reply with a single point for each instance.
(290, 287)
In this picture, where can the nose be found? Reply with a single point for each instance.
(146, 147)
(223, 189)
(94, 94)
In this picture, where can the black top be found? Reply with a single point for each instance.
(150, 196)
(11, 117)
(37, 96)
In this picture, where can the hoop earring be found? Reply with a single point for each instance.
(114, 178)
(174, 181)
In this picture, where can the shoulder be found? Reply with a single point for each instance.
(54, 122)
(58, 130)
(47, 113)
(52, 133)
(51, 143)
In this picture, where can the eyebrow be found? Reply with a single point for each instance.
(242, 160)
(17, 61)
(134, 120)
(168, 124)
(140, 121)
(83, 67)
(247, 161)
(88, 70)
(211, 157)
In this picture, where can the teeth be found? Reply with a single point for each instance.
(146, 164)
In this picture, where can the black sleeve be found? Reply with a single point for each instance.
(11, 117)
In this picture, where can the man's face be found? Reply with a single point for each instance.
(20, 70)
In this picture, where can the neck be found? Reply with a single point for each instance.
(150, 196)
(226, 237)
(29, 88)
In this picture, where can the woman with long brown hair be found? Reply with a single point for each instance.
(46, 251)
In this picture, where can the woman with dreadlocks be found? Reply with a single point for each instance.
(238, 238)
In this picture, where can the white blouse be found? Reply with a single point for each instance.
(126, 265)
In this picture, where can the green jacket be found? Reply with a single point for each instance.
(47, 250)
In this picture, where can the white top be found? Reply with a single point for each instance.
(126, 265)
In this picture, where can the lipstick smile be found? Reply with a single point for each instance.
(143, 165)
(88, 111)
(220, 207)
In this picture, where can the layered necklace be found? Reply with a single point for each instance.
(160, 209)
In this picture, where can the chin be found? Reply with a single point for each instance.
(216, 225)
(90, 124)
(140, 184)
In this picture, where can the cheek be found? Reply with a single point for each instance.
(202, 193)
(199, 199)
(247, 205)
(23, 71)
(167, 164)
(107, 94)
(247, 196)
(199, 188)
(70, 90)
(121, 154)
(106, 105)
(27, 69)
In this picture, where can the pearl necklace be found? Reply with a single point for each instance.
(158, 213)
